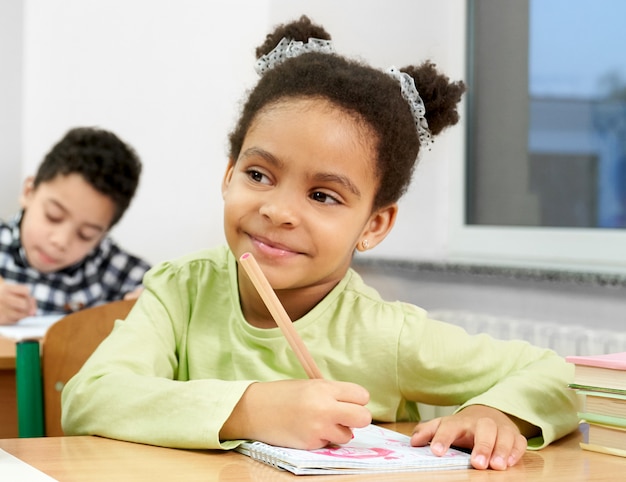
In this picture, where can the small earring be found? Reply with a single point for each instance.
(365, 244)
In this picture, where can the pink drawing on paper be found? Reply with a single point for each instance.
(358, 452)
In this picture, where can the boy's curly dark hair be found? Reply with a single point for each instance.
(363, 91)
(109, 165)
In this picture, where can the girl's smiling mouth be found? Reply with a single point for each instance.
(270, 248)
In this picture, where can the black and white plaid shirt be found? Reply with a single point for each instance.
(106, 274)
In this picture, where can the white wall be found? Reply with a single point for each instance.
(167, 77)
(11, 25)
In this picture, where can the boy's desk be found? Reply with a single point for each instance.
(8, 403)
(94, 458)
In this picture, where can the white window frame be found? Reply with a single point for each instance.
(580, 249)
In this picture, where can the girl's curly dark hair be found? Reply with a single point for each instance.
(368, 94)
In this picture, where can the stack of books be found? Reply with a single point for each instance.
(600, 381)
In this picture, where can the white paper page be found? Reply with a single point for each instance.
(30, 327)
(373, 449)
(12, 468)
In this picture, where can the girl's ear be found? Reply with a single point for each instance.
(377, 227)
(27, 191)
(227, 176)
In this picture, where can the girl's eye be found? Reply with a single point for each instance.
(257, 176)
(53, 219)
(324, 198)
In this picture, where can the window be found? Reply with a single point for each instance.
(546, 169)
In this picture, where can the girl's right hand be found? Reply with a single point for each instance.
(304, 414)
(15, 302)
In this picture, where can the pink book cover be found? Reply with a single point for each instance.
(614, 361)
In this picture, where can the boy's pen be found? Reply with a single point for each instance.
(279, 314)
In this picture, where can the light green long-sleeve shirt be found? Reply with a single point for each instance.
(173, 371)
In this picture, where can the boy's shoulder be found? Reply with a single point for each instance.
(109, 253)
(9, 233)
(4, 230)
(10, 223)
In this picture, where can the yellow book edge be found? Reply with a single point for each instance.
(602, 449)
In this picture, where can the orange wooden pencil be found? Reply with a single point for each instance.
(279, 314)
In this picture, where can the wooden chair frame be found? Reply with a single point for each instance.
(64, 349)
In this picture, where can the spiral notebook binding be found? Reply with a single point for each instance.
(268, 455)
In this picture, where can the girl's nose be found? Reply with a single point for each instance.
(280, 209)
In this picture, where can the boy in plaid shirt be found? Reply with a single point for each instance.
(55, 255)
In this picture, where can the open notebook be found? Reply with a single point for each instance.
(32, 327)
(373, 449)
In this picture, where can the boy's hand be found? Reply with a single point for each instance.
(495, 439)
(305, 414)
(133, 295)
(15, 302)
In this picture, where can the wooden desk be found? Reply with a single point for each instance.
(94, 459)
(8, 402)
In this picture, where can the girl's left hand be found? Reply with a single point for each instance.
(495, 439)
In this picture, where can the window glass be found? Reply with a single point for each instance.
(547, 107)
